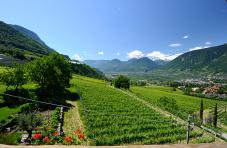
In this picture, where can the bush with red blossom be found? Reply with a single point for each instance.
(37, 136)
(68, 139)
(46, 139)
(79, 133)
(53, 137)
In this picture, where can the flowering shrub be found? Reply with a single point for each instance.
(53, 137)
(37, 136)
(56, 133)
(68, 139)
(80, 134)
(46, 139)
(78, 131)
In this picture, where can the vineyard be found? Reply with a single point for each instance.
(184, 104)
(114, 118)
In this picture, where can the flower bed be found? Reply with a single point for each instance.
(53, 137)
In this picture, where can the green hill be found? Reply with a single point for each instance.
(85, 70)
(11, 41)
(209, 60)
(29, 34)
(20, 45)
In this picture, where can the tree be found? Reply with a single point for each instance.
(122, 82)
(29, 122)
(14, 76)
(7, 78)
(19, 76)
(201, 110)
(215, 116)
(52, 73)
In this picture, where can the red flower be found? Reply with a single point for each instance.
(78, 131)
(56, 133)
(81, 136)
(46, 139)
(37, 136)
(68, 139)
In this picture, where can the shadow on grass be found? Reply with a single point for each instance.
(38, 94)
(13, 102)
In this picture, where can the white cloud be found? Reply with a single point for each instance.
(198, 48)
(135, 54)
(101, 53)
(77, 57)
(157, 55)
(208, 43)
(118, 53)
(185, 37)
(175, 45)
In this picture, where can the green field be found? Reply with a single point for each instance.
(114, 118)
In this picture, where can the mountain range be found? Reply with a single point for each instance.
(133, 65)
(23, 45)
(211, 60)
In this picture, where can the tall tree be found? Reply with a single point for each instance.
(215, 116)
(52, 73)
(201, 111)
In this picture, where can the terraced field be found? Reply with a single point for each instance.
(114, 118)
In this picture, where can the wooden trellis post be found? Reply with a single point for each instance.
(188, 129)
(60, 124)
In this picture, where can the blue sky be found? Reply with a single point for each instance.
(123, 29)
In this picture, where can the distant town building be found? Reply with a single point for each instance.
(211, 90)
(195, 89)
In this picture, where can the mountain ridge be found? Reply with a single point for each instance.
(207, 60)
(12, 39)
(143, 64)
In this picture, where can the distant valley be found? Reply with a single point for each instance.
(204, 62)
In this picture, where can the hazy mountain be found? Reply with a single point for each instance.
(115, 65)
(161, 62)
(208, 60)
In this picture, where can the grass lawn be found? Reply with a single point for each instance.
(5, 112)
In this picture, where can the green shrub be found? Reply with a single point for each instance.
(55, 117)
(122, 82)
(27, 108)
(11, 139)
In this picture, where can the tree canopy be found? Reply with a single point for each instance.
(52, 72)
(122, 82)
